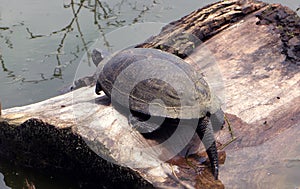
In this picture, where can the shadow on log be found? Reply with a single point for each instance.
(256, 47)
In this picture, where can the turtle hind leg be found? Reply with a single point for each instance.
(206, 134)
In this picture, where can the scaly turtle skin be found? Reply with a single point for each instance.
(201, 104)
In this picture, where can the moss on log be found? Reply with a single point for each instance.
(40, 145)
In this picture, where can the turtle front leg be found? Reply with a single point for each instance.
(206, 134)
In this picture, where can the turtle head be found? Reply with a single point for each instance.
(98, 55)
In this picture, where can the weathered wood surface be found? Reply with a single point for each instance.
(256, 50)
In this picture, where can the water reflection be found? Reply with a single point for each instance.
(100, 10)
(25, 178)
(30, 54)
(4, 36)
(95, 7)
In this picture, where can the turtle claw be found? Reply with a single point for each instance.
(213, 158)
(215, 171)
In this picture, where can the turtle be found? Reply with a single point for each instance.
(202, 106)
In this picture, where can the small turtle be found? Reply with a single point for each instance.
(203, 106)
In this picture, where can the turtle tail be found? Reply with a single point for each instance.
(98, 88)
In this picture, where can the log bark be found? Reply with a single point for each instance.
(255, 47)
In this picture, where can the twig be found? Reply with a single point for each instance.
(32, 36)
(81, 35)
(227, 143)
(103, 9)
(189, 162)
(9, 72)
(4, 28)
(229, 127)
(231, 134)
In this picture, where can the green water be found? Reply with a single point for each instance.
(42, 43)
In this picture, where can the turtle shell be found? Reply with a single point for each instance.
(155, 83)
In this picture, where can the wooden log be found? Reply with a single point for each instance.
(256, 47)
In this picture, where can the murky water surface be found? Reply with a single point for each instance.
(42, 43)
